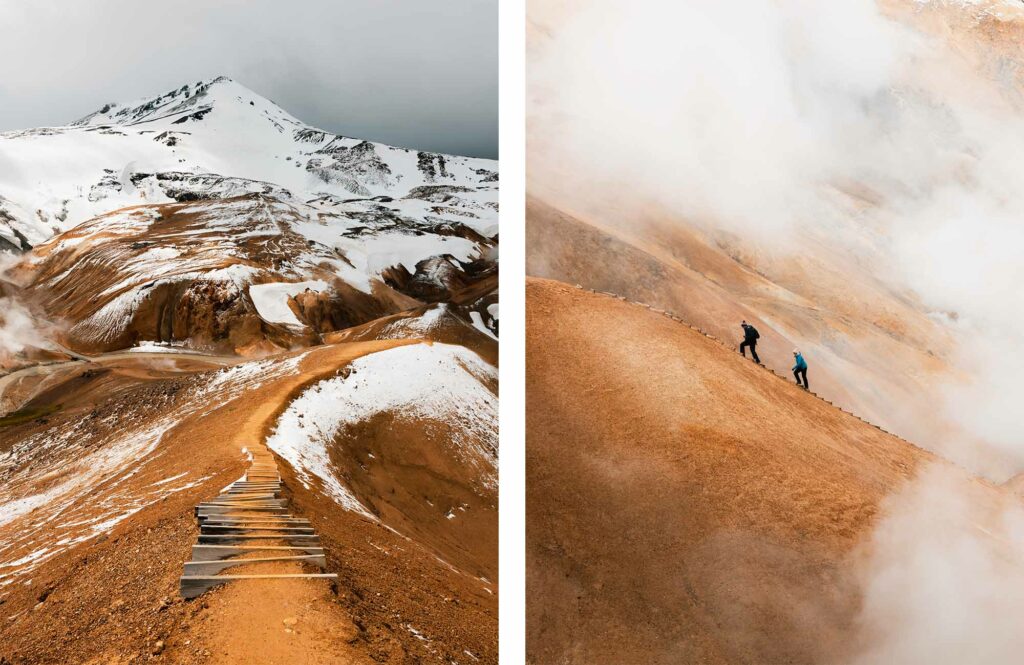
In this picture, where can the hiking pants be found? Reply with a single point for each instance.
(801, 372)
(753, 350)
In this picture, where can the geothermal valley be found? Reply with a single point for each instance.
(685, 505)
(227, 335)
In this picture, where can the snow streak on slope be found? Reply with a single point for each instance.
(435, 383)
(151, 220)
(59, 491)
(207, 271)
(213, 138)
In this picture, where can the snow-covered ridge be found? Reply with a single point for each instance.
(432, 383)
(209, 139)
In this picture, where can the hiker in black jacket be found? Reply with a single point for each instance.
(750, 337)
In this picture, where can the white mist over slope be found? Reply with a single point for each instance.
(787, 119)
(791, 118)
(944, 580)
(17, 328)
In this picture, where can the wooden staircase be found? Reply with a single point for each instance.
(248, 524)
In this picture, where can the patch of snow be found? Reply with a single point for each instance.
(478, 323)
(414, 326)
(156, 347)
(11, 510)
(171, 479)
(437, 382)
(271, 300)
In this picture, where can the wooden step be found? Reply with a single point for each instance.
(235, 507)
(221, 517)
(219, 552)
(245, 514)
(276, 526)
(242, 511)
(231, 528)
(224, 539)
(245, 507)
(276, 505)
(256, 521)
(216, 538)
(248, 498)
(195, 585)
(229, 498)
(258, 518)
(258, 527)
(248, 502)
(214, 567)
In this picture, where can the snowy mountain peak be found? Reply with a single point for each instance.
(190, 102)
(214, 139)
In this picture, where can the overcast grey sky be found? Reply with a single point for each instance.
(414, 73)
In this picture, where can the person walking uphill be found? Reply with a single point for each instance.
(800, 370)
(750, 337)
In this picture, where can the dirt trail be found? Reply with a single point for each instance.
(114, 598)
(269, 620)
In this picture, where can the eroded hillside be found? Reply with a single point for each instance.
(99, 489)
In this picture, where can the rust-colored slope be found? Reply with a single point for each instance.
(451, 327)
(113, 598)
(181, 272)
(870, 348)
(685, 505)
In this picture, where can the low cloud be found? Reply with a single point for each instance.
(414, 74)
(18, 329)
(942, 579)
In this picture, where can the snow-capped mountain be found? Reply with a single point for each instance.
(213, 138)
(209, 215)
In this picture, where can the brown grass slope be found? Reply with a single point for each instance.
(683, 504)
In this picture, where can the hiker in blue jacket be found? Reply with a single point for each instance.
(800, 370)
(750, 337)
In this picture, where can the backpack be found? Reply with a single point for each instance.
(753, 332)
